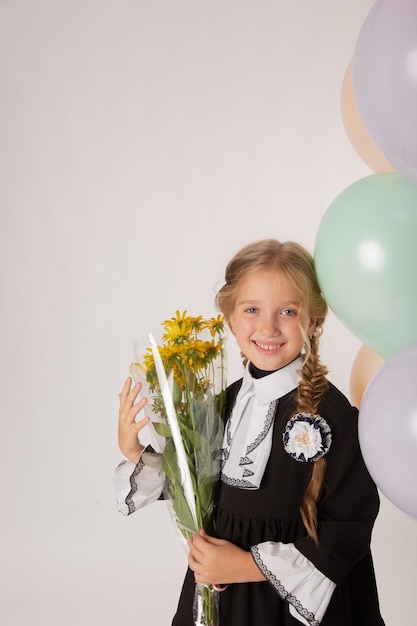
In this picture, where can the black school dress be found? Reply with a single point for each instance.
(346, 514)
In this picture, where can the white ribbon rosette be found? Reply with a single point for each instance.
(307, 437)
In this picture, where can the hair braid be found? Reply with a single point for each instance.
(312, 386)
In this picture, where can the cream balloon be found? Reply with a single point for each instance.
(356, 131)
(367, 362)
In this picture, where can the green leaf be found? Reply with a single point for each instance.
(205, 493)
(174, 488)
(176, 393)
(198, 409)
(182, 511)
(169, 461)
(162, 429)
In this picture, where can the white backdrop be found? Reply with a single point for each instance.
(142, 143)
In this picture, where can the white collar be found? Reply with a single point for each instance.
(274, 385)
(248, 436)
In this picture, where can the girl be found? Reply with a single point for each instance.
(295, 505)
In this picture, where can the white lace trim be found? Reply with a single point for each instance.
(282, 591)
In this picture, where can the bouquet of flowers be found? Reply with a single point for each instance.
(186, 381)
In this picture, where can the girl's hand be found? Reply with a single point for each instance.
(128, 430)
(219, 562)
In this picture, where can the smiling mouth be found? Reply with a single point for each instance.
(268, 346)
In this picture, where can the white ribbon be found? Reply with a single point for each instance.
(166, 390)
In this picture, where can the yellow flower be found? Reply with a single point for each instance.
(216, 325)
(179, 318)
(197, 324)
(188, 355)
(177, 329)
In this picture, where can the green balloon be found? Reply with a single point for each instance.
(366, 260)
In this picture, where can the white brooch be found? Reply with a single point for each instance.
(307, 437)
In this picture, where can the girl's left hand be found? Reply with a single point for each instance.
(219, 562)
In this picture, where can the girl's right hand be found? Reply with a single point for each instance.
(128, 430)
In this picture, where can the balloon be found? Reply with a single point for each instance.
(366, 260)
(385, 81)
(366, 364)
(388, 429)
(355, 128)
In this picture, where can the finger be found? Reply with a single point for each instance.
(127, 420)
(126, 390)
(129, 393)
(196, 542)
(142, 423)
(127, 400)
(133, 393)
(196, 567)
(124, 394)
(196, 549)
(209, 539)
(126, 387)
(191, 561)
(132, 411)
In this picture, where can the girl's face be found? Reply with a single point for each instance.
(266, 321)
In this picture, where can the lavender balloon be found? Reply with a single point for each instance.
(388, 429)
(385, 81)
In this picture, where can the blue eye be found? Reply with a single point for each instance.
(289, 312)
(251, 309)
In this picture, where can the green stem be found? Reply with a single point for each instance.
(209, 606)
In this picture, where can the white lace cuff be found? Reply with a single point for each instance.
(295, 579)
(138, 485)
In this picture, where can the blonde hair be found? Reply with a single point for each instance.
(296, 265)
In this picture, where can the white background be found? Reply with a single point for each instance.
(143, 143)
